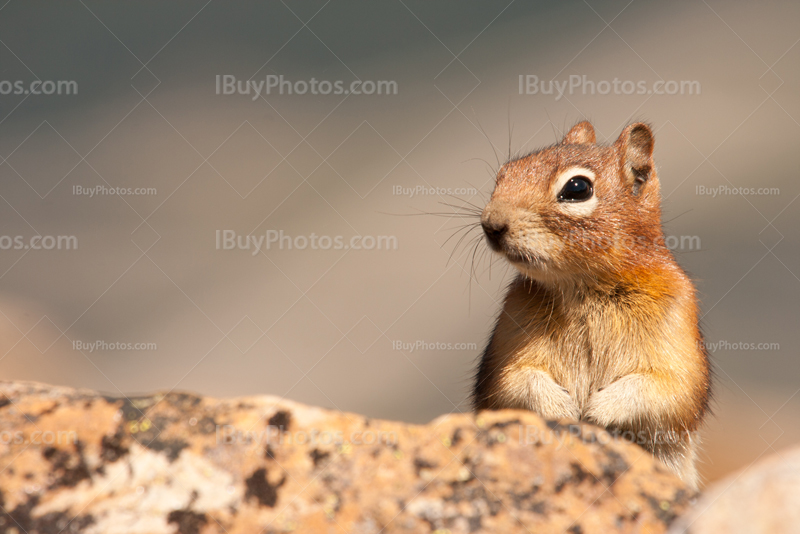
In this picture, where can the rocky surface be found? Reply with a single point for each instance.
(762, 498)
(76, 461)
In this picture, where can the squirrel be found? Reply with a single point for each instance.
(600, 324)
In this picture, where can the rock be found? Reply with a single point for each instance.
(76, 461)
(762, 498)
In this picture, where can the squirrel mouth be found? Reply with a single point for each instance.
(498, 242)
(526, 258)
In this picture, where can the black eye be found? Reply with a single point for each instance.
(577, 189)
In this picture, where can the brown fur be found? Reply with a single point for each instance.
(601, 324)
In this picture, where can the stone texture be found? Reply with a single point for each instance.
(76, 461)
(762, 498)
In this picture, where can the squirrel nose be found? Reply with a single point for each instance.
(494, 230)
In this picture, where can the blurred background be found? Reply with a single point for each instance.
(149, 289)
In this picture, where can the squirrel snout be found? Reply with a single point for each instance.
(495, 229)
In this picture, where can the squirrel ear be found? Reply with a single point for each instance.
(635, 145)
(580, 134)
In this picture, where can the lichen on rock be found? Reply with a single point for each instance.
(76, 461)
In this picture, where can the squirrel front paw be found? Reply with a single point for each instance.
(617, 403)
(549, 399)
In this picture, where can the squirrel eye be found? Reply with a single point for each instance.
(577, 189)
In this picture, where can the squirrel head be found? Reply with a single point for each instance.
(578, 210)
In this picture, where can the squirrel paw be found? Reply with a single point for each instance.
(617, 403)
(549, 399)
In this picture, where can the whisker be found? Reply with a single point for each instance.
(469, 205)
(510, 128)
(470, 211)
(489, 140)
(465, 231)
(489, 165)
